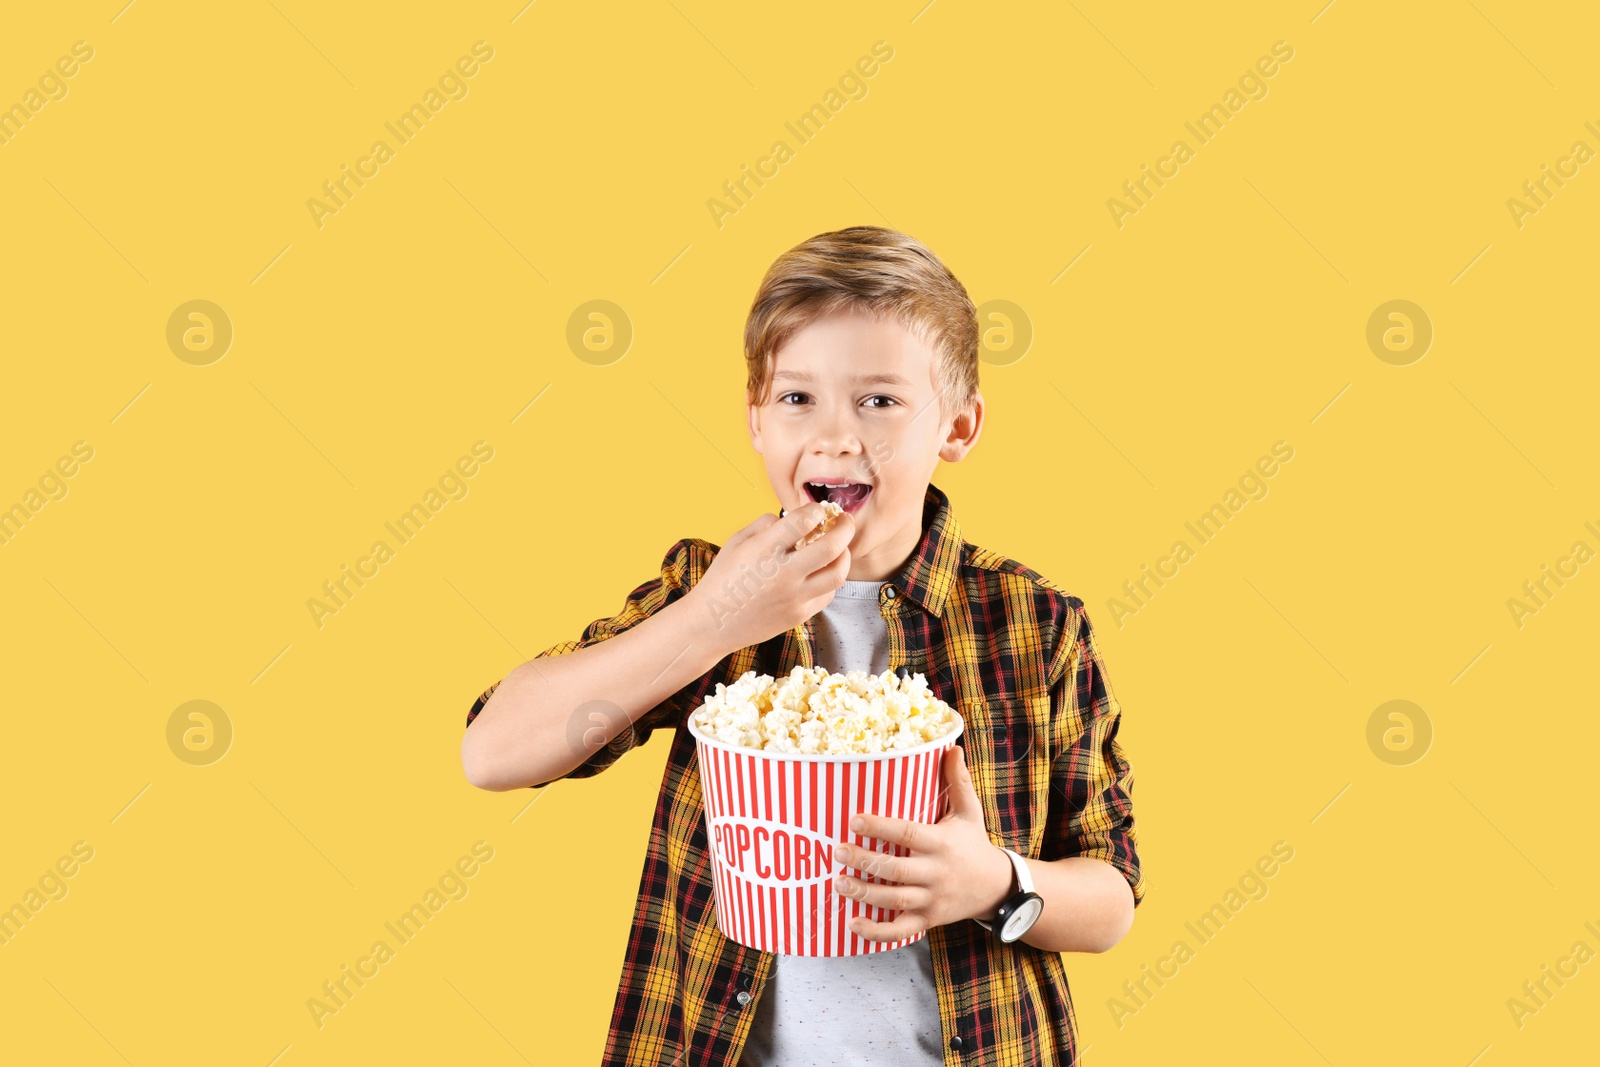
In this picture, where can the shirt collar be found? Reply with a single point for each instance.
(930, 573)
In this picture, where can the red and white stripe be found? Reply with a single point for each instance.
(815, 796)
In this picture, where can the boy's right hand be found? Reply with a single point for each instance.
(759, 585)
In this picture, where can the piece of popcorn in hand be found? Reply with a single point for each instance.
(830, 514)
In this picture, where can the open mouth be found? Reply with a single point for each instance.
(848, 495)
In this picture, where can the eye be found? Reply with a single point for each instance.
(880, 396)
(786, 396)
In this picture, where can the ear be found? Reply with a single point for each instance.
(753, 414)
(964, 430)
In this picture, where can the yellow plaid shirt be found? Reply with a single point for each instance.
(1017, 658)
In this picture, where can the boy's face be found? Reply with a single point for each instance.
(825, 420)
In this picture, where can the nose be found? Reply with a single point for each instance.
(834, 433)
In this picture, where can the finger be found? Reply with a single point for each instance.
(886, 895)
(836, 542)
(904, 925)
(830, 576)
(826, 579)
(796, 524)
(907, 870)
(832, 549)
(841, 533)
(831, 543)
(917, 836)
(963, 794)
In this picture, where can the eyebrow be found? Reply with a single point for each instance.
(863, 379)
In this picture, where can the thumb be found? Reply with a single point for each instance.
(963, 794)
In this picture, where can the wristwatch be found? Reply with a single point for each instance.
(1020, 910)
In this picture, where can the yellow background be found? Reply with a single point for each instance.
(368, 354)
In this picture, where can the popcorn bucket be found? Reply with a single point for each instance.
(772, 819)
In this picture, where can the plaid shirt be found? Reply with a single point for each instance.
(1018, 659)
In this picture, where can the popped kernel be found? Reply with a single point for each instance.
(830, 513)
(817, 712)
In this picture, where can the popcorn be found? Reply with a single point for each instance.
(816, 712)
(830, 512)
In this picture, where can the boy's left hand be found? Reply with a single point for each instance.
(954, 871)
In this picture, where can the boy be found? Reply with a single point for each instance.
(862, 360)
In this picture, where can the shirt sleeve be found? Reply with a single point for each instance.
(681, 568)
(1091, 782)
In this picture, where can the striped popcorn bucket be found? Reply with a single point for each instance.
(772, 819)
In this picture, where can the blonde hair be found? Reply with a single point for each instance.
(873, 269)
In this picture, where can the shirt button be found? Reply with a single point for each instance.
(889, 591)
(956, 1042)
(743, 998)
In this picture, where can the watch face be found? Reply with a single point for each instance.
(1019, 921)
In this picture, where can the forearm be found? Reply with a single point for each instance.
(1088, 906)
(520, 737)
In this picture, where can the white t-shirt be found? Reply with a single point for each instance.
(880, 1009)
